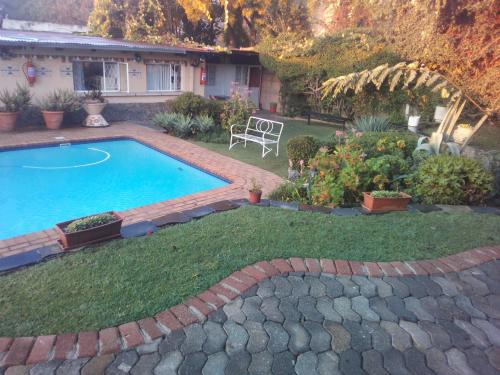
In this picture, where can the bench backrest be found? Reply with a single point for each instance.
(264, 126)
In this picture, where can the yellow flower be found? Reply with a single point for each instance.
(445, 93)
(401, 144)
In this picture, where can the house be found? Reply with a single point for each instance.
(136, 78)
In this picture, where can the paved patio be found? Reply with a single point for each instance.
(240, 174)
(317, 323)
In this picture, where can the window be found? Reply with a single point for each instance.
(102, 75)
(211, 73)
(163, 77)
(241, 75)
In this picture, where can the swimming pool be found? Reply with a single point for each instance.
(45, 185)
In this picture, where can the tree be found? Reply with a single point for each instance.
(108, 18)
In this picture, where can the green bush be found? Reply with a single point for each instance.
(15, 101)
(176, 124)
(302, 147)
(166, 120)
(203, 124)
(189, 104)
(377, 144)
(236, 110)
(385, 194)
(289, 192)
(217, 136)
(89, 222)
(372, 124)
(447, 179)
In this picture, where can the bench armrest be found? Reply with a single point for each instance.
(236, 126)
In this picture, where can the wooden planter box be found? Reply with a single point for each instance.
(385, 204)
(91, 235)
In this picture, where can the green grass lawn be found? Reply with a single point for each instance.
(126, 280)
(252, 154)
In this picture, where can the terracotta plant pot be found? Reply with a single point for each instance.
(7, 121)
(91, 235)
(273, 107)
(53, 119)
(94, 107)
(254, 196)
(375, 205)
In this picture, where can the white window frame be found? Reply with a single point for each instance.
(104, 62)
(211, 68)
(176, 75)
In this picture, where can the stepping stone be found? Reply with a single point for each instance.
(199, 212)
(485, 210)
(171, 219)
(285, 205)
(454, 209)
(240, 202)
(12, 262)
(347, 212)
(223, 206)
(262, 203)
(424, 208)
(139, 229)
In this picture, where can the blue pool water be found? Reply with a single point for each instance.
(46, 185)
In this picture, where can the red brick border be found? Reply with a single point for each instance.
(29, 350)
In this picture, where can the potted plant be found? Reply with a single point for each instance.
(94, 103)
(385, 201)
(12, 103)
(273, 107)
(54, 106)
(255, 192)
(89, 229)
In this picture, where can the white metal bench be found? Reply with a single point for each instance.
(258, 130)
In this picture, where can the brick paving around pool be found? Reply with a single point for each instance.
(238, 173)
(303, 316)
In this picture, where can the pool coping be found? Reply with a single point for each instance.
(237, 174)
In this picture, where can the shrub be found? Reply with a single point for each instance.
(193, 105)
(448, 179)
(61, 100)
(372, 124)
(166, 120)
(301, 148)
(15, 101)
(217, 136)
(89, 222)
(183, 126)
(236, 110)
(385, 194)
(203, 123)
(289, 192)
(384, 143)
(387, 171)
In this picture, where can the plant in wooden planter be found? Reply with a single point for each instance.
(54, 106)
(12, 104)
(255, 192)
(385, 201)
(89, 229)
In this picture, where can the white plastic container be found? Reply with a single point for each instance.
(439, 113)
(413, 123)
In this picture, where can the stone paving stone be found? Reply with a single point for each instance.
(416, 288)
(216, 337)
(269, 308)
(493, 354)
(307, 364)
(307, 306)
(261, 363)
(169, 363)
(493, 285)
(366, 287)
(398, 288)
(299, 287)
(484, 304)
(397, 306)
(436, 361)
(328, 363)
(415, 362)
(394, 362)
(45, 368)
(149, 347)
(477, 336)
(473, 286)
(320, 339)
(172, 342)
(401, 339)
(361, 305)
(258, 338)
(250, 292)
(267, 288)
(341, 338)
(373, 363)
(280, 285)
(251, 309)
(195, 337)
(381, 340)
(379, 305)
(288, 307)
(449, 288)
(145, 364)
(439, 337)
(351, 289)
(233, 310)
(193, 364)
(123, 363)
(413, 304)
(478, 361)
(216, 364)
(283, 364)
(299, 337)
(420, 338)
(432, 288)
(325, 307)
(334, 288)
(464, 303)
(343, 306)
(278, 337)
(492, 332)
(350, 362)
(458, 362)
(430, 304)
(238, 363)
(458, 336)
(97, 365)
(360, 336)
(218, 316)
(316, 288)
(383, 289)
(237, 337)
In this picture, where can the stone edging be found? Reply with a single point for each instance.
(30, 350)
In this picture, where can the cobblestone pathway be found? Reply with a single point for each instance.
(317, 324)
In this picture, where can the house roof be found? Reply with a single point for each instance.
(20, 38)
